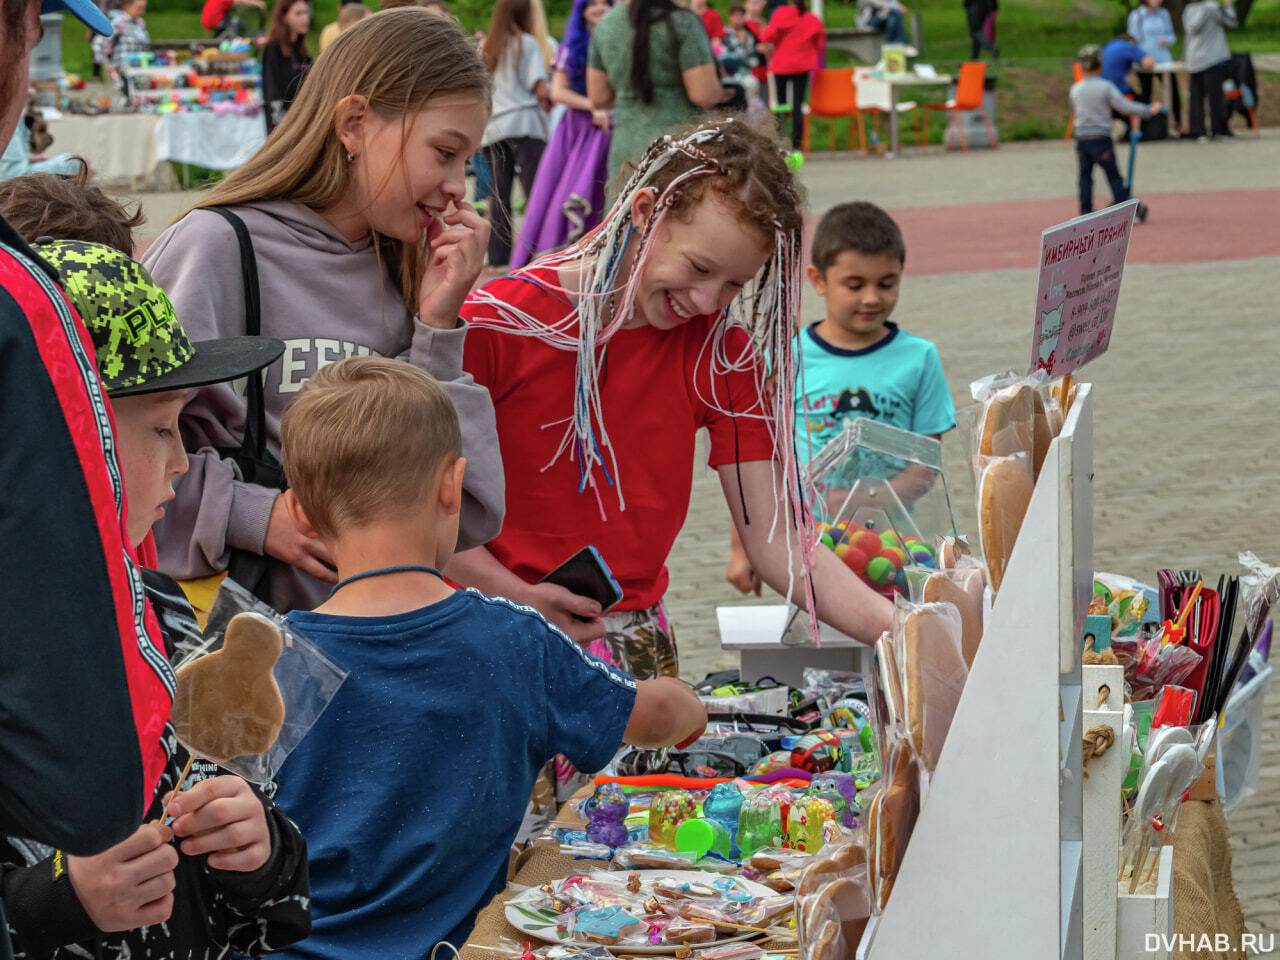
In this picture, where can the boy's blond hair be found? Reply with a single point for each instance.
(365, 438)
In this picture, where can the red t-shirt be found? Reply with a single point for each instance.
(798, 39)
(713, 23)
(213, 13)
(761, 73)
(654, 388)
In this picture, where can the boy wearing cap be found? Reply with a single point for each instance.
(236, 880)
(1092, 100)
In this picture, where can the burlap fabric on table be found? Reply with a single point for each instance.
(1204, 901)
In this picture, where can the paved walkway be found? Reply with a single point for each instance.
(1185, 431)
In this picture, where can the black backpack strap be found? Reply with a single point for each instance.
(253, 448)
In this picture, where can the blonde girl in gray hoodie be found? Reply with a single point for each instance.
(359, 242)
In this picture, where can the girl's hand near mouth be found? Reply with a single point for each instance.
(456, 246)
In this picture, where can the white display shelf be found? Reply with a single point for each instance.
(1013, 855)
(994, 864)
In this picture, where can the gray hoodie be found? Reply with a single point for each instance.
(327, 299)
(1206, 39)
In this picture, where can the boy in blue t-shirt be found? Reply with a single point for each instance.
(856, 363)
(411, 786)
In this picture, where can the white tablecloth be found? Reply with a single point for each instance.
(117, 146)
(129, 146)
(217, 141)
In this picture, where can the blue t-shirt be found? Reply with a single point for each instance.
(1118, 58)
(898, 381)
(411, 786)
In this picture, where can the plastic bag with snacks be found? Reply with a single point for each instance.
(930, 655)
(891, 818)
(252, 689)
(1004, 486)
(833, 903)
(963, 587)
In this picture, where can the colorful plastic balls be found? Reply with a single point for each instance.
(866, 541)
(881, 570)
(895, 556)
(856, 561)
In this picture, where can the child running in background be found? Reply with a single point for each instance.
(412, 784)
(1092, 101)
(857, 362)
(236, 880)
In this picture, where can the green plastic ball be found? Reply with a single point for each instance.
(881, 570)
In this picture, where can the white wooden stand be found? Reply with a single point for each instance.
(994, 865)
(1013, 855)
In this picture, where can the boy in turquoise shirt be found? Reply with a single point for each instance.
(856, 362)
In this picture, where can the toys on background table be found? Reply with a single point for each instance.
(839, 790)
(606, 810)
(701, 835)
(666, 812)
(762, 820)
(820, 751)
(723, 806)
(805, 821)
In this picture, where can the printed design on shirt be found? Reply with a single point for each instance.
(303, 356)
(827, 411)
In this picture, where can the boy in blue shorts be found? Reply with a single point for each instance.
(856, 362)
(413, 783)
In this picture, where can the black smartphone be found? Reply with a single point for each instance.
(587, 575)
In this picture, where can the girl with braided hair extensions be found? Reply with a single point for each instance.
(603, 360)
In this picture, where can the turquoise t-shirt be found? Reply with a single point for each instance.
(898, 381)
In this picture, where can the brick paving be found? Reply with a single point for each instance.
(1185, 437)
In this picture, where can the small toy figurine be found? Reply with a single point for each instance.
(606, 811)
(761, 820)
(723, 806)
(840, 790)
(804, 825)
(667, 811)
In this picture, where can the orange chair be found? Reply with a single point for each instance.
(833, 97)
(969, 90)
(1236, 94)
(1071, 117)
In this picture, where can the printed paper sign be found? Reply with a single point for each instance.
(1081, 262)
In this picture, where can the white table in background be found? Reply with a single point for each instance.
(881, 93)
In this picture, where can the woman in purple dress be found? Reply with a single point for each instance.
(567, 198)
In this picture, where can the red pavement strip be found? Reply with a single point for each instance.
(1182, 228)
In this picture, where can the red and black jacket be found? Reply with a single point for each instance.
(85, 689)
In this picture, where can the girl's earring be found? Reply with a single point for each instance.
(351, 157)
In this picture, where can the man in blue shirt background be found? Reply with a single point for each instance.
(1119, 57)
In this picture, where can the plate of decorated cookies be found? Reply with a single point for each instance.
(648, 911)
